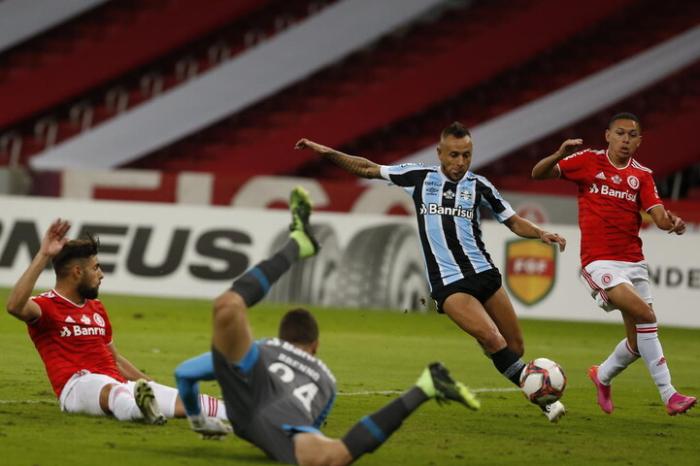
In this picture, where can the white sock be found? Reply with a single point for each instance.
(212, 407)
(650, 348)
(621, 357)
(122, 404)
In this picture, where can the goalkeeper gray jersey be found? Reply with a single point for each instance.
(274, 392)
(298, 382)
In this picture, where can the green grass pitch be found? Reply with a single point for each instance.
(368, 351)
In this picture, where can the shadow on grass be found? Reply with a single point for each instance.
(209, 453)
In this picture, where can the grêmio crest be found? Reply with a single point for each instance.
(530, 269)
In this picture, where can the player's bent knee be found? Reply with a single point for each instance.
(104, 397)
(227, 306)
(643, 314)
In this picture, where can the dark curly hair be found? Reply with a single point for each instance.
(81, 248)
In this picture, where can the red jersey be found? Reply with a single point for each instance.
(609, 201)
(71, 338)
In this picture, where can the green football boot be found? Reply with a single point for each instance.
(300, 205)
(435, 381)
(147, 403)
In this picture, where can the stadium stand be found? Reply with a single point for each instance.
(371, 89)
(21, 20)
(490, 106)
(369, 102)
(671, 111)
(101, 45)
(175, 67)
(312, 44)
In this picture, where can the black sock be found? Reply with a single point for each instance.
(256, 282)
(373, 430)
(509, 364)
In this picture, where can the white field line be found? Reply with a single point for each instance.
(398, 392)
(358, 393)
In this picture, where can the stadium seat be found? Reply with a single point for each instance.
(374, 88)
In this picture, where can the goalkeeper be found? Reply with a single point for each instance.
(277, 393)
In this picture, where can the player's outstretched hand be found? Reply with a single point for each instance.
(55, 237)
(569, 146)
(210, 428)
(678, 224)
(304, 143)
(551, 238)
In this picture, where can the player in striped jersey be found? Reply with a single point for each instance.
(464, 282)
(612, 188)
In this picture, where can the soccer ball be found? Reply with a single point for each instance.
(543, 381)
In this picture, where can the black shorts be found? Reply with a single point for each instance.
(254, 415)
(481, 286)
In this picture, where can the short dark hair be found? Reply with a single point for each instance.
(81, 248)
(456, 129)
(298, 326)
(624, 116)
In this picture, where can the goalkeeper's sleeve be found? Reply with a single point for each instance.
(187, 376)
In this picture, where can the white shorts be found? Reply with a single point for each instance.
(600, 276)
(81, 394)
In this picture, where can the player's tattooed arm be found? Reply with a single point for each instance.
(547, 167)
(526, 229)
(358, 166)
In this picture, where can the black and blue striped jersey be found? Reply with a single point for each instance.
(449, 220)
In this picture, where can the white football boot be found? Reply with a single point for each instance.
(209, 427)
(554, 411)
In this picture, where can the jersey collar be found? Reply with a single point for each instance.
(68, 300)
(607, 156)
(466, 175)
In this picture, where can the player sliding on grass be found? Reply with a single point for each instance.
(277, 392)
(73, 335)
(612, 188)
(464, 282)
